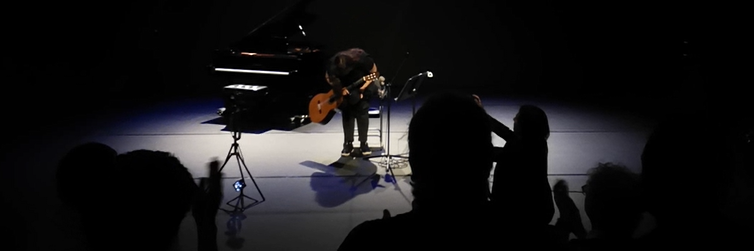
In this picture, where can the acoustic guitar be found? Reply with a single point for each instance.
(322, 106)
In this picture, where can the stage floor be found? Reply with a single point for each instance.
(313, 196)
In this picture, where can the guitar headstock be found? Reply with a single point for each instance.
(371, 76)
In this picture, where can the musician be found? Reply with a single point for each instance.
(343, 69)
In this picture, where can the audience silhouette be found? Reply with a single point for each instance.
(78, 169)
(612, 203)
(521, 194)
(569, 221)
(136, 200)
(206, 205)
(157, 191)
(696, 183)
(450, 206)
(689, 176)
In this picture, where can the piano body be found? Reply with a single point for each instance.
(273, 70)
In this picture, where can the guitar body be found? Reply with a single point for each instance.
(321, 110)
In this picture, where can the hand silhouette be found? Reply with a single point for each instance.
(477, 99)
(208, 197)
(206, 203)
(385, 214)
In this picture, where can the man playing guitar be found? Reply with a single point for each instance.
(344, 68)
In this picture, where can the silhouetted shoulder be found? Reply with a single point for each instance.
(597, 244)
(366, 232)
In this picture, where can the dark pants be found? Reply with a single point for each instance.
(358, 112)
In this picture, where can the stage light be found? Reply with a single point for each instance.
(239, 185)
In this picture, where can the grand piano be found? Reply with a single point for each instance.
(274, 70)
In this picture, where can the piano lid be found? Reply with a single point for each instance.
(277, 34)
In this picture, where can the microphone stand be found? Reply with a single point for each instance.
(411, 92)
(387, 158)
(408, 91)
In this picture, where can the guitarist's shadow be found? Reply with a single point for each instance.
(342, 180)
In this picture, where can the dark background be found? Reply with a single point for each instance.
(72, 57)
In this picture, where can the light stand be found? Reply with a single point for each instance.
(240, 184)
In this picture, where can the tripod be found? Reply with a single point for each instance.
(239, 185)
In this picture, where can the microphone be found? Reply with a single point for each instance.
(381, 82)
(426, 73)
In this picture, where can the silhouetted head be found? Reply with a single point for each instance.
(156, 191)
(450, 145)
(79, 172)
(130, 201)
(531, 122)
(686, 164)
(613, 200)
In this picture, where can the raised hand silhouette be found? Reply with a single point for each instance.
(206, 204)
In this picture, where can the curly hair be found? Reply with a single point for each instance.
(343, 63)
(613, 197)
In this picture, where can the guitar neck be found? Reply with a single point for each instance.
(356, 84)
(351, 88)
